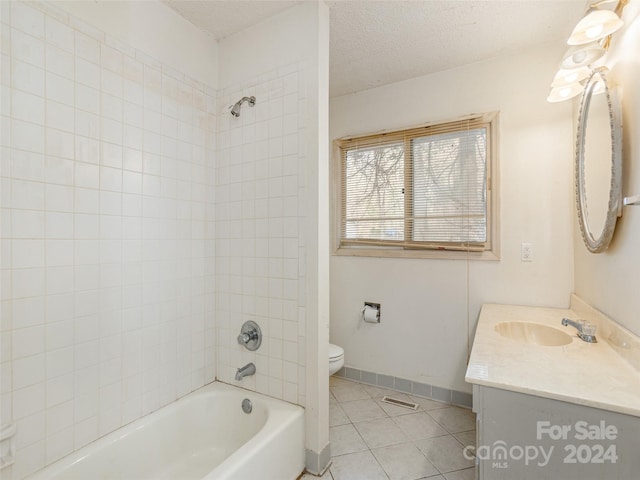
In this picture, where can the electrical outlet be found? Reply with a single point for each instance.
(526, 252)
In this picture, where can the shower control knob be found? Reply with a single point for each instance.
(250, 335)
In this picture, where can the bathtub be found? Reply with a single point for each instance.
(205, 435)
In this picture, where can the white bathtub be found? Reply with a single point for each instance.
(204, 435)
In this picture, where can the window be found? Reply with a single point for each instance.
(426, 191)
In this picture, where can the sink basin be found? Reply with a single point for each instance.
(533, 333)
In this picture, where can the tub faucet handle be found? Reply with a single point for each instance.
(250, 335)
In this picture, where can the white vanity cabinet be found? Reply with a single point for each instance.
(525, 437)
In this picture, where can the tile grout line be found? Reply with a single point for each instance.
(449, 433)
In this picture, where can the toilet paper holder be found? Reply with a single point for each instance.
(371, 312)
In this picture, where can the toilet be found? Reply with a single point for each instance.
(336, 358)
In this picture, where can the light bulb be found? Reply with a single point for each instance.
(565, 92)
(559, 94)
(568, 77)
(595, 25)
(579, 57)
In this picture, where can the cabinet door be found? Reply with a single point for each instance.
(526, 437)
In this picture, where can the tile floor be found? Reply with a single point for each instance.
(372, 440)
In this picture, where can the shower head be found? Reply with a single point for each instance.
(235, 110)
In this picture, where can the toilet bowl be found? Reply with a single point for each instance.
(336, 358)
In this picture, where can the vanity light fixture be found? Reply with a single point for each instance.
(597, 24)
(582, 55)
(560, 94)
(567, 77)
(589, 41)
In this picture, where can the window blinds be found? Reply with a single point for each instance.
(421, 188)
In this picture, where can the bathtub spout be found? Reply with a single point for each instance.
(248, 369)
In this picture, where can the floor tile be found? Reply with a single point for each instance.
(337, 415)
(308, 476)
(349, 392)
(376, 392)
(455, 419)
(427, 404)
(380, 432)
(372, 440)
(466, 474)
(361, 410)
(419, 425)
(333, 381)
(357, 466)
(466, 438)
(345, 439)
(445, 453)
(404, 462)
(394, 410)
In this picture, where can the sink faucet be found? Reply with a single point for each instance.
(586, 329)
(248, 369)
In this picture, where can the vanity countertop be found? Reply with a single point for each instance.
(595, 374)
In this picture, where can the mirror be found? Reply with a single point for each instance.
(598, 168)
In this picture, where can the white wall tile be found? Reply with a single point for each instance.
(59, 61)
(58, 308)
(27, 136)
(60, 116)
(87, 73)
(59, 170)
(59, 334)
(94, 127)
(28, 371)
(32, 428)
(86, 175)
(59, 225)
(27, 282)
(59, 390)
(28, 312)
(86, 98)
(61, 89)
(59, 34)
(59, 280)
(60, 144)
(28, 20)
(59, 198)
(59, 252)
(27, 48)
(59, 444)
(27, 341)
(28, 107)
(87, 48)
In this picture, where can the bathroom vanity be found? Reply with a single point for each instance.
(550, 405)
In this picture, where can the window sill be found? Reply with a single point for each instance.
(390, 252)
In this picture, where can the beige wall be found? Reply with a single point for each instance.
(430, 307)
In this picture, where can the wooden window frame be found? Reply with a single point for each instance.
(490, 251)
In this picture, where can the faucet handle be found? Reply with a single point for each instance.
(250, 335)
(588, 328)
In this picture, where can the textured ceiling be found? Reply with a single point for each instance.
(376, 42)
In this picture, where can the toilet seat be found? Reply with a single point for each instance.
(335, 352)
(336, 358)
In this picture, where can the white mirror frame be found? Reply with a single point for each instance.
(597, 242)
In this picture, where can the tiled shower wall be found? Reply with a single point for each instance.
(260, 248)
(107, 234)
